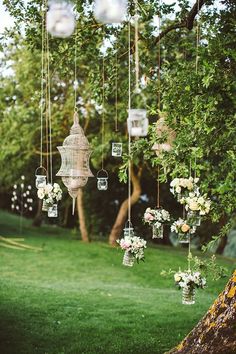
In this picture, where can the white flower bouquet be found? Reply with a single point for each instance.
(190, 280)
(181, 187)
(156, 218)
(133, 245)
(183, 229)
(51, 194)
(197, 203)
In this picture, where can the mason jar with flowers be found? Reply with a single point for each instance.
(50, 194)
(188, 281)
(181, 187)
(156, 218)
(197, 206)
(183, 229)
(134, 249)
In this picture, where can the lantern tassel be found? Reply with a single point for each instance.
(73, 206)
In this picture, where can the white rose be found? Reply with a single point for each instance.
(178, 189)
(40, 193)
(193, 205)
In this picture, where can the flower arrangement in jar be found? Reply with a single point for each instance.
(188, 281)
(134, 249)
(50, 194)
(156, 218)
(183, 229)
(181, 187)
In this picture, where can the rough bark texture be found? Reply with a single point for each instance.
(81, 215)
(38, 217)
(122, 214)
(216, 332)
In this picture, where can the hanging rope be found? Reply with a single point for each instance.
(75, 72)
(159, 60)
(42, 86)
(158, 187)
(129, 136)
(136, 47)
(103, 108)
(49, 107)
(116, 88)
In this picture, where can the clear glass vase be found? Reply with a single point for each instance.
(184, 237)
(157, 232)
(45, 206)
(194, 218)
(128, 259)
(52, 211)
(188, 296)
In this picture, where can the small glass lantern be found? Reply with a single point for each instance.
(128, 230)
(110, 11)
(41, 179)
(194, 218)
(60, 19)
(162, 129)
(102, 180)
(75, 153)
(184, 237)
(137, 122)
(52, 211)
(45, 206)
(116, 149)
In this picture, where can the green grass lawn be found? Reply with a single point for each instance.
(78, 298)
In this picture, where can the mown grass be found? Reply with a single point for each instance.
(78, 298)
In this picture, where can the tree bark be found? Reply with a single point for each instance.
(123, 212)
(38, 217)
(216, 332)
(81, 215)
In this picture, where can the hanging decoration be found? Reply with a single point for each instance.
(116, 149)
(137, 122)
(102, 180)
(188, 281)
(157, 218)
(110, 11)
(51, 194)
(132, 245)
(162, 129)
(41, 177)
(60, 19)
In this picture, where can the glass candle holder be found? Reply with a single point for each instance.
(102, 180)
(128, 259)
(157, 232)
(184, 237)
(116, 149)
(52, 211)
(188, 296)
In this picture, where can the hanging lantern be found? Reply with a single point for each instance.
(102, 180)
(137, 122)
(60, 19)
(163, 129)
(116, 149)
(41, 178)
(110, 11)
(75, 153)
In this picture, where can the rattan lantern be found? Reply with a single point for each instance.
(162, 130)
(110, 11)
(75, 153)
(60, 19)
(137, 122)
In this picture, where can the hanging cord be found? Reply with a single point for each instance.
(136, 47)
(159, 61)
(116, 88)
(129, 136)
(43, 9)
(158, 186)
(197, 58)
(49, 107)
(189, 255)
(103, 108)
(75, 73)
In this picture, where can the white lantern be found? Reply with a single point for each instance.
(137, 122)
(102, 180)
(116, 149)
(110, 11)
(41, 177)
(60, 19)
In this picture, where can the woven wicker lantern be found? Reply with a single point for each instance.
(110, 11)
(75, 153)
(60, 19)
(163, 129)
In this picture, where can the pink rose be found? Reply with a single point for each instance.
(148, 217)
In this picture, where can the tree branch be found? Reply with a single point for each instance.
(186, 22)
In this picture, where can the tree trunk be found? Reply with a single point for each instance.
(216, 332)
(122, 214)
(81, 215)
(38, 217)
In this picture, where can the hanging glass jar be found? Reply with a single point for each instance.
(102, 180)
(194, 218)
(137, 122)
(45, 205)
(40, 178)
(157, 232)
(128, 259)
(184, 237)
(116, 149)
(110, 11)
(52, 211)
(128, 229)
(188, 296)
(60, 19)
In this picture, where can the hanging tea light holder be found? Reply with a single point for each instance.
(52, 211)
(75, 153)
(102, 180)
(60, 19)
(116, 149)
(40, 177)
(137, 122)
(110, 11)
(128, 229)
